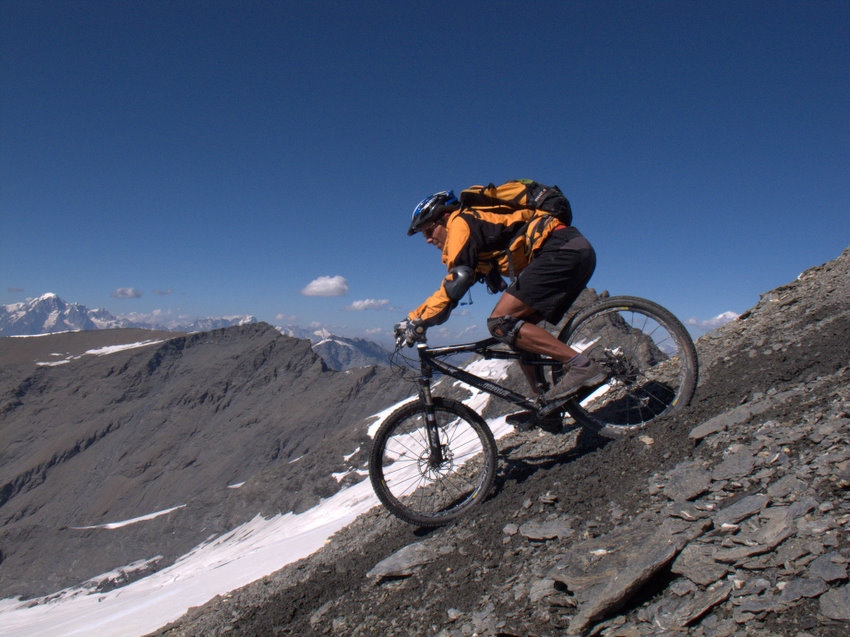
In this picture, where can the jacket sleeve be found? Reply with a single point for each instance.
(459, 250)
(436, 308)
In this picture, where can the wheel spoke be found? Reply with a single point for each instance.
(649, 353)
(407, 479)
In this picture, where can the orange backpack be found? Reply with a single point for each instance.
(519, 194)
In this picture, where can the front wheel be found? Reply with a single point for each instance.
(431, 484)
(649, 354)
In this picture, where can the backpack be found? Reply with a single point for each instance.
(519, 194)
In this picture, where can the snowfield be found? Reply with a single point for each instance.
(247, 553)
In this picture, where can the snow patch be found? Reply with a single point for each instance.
(111, 349)
(381, 416)
(100, 351)
(351, 455)
(40, 335)
(118, 525)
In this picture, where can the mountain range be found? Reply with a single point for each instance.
(49, 314)
(146, 454)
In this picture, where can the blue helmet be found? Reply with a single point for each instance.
(431, 209)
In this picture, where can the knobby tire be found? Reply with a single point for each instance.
(426, 494)
(651, 354)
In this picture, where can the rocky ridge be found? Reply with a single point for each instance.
(731, 518)
(223, 425)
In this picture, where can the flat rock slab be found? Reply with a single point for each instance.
(740, 510)
(784, 486)
(835, 603)
(605, 576)
(692, 609)
(687, 481)
(829, 568)
(739, 415)
(802, 587)
(546, 530)
(736, 464)
(696, 563)
(403, 562)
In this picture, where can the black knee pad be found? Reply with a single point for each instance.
(505, 328)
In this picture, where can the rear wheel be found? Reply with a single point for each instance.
(425, 487)
(649, 354)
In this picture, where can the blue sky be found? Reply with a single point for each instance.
(215, 158)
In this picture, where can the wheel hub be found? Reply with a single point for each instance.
(430, 466)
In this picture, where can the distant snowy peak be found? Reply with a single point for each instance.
(344, 353)
(339, 352)
(49, 313)
(314, 336)
(206, 324)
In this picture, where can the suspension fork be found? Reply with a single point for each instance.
(424, 381)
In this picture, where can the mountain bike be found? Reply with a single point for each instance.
(435, 459)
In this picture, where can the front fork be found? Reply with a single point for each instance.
(435, 448)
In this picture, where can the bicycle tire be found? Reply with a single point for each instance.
(650, 354)
(426, 495)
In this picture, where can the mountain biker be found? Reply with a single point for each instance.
(553, 263)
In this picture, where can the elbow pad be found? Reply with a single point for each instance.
(459, 280)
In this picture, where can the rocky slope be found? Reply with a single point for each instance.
(731, 518)
(174, 422)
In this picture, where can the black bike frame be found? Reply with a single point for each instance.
(429, 360)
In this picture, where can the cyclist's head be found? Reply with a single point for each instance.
(431, 209)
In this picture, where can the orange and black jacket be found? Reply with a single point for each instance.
(483, 239)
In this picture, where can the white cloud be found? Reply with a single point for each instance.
(712, 323)
(369, 304)
(157, 316)
(126, 293)
(326, 286)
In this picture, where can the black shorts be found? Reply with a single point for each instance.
(557, 273)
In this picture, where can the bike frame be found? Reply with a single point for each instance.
(429, 360)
